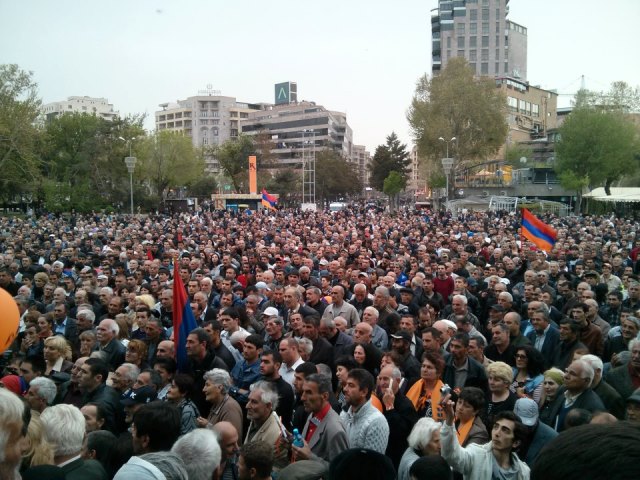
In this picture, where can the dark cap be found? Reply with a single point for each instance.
(140, 395)
(402, 335)
(591, 274)
(497, 307)
(406, 290)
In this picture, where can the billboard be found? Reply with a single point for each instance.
(286, 92)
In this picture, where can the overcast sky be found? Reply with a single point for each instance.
(362, 57)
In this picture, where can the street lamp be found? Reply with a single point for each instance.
(130, 162)
(447, 164)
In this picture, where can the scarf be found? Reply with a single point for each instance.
(420, 400)
(462, 430)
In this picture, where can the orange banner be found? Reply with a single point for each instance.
(253, 175)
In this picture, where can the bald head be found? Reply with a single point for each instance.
(227, 438)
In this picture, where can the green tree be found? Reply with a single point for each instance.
(233, 157)
(19, 138)
(457, 104)
(393, 185)
(335, 177)
(168, 160)
(620, 98)
(288, 184)
(596, 148)
(203, 187)
(390, 157)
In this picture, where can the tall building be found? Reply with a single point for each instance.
(91, 105)
(298, 129)
(479, 31)
(209, 119)
(360, 159)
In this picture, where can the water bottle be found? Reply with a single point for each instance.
(297, 438)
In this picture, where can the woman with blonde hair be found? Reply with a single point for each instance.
(57, 355)
(122, 319)
(500, 397)
(137, 354)
(36, 449)
(145, 300)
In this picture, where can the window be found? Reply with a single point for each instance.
(535, 110)
(473, 55)
(204, 113)
(473, 14)
(460, 42)
(473, 67)
(521, 106)
(497, 12)
(512, 104)
(497, 68)
(461, 53)
(485, 41)
(214, 131)
(215, 113)
(485, 14)
(215, 122)
(485, 28)
(497, 27)
(473, 42)
(460, 28)
(448, 42)
(497, 40)
(473, 28)
(506, 67)
(484, 69)
(484, 55)
(497, 55)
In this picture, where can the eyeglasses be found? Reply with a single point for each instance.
(521, 356)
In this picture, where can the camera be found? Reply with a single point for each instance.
(446, 390)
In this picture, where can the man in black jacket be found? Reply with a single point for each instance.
(397, 409)
(93, 382)
(460, 369)
(322, 350)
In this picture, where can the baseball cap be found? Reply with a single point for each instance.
(262, 286)
(402, 335)
(140, 395)
(270, 312)
(635, 397)
(527, 410)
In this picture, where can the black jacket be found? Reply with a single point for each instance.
(588, 400)
(476, 375)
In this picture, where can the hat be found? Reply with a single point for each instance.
(140, 395)
(262, 286)
(323, 261)
(363, 274)
(527, 410)
(15, 384)
(270, 312)
(402, 335)
(556, 375)
(591, 274)
(406, 290)
(635, 397)
(102, 276)
(471, 282)
(497, 307)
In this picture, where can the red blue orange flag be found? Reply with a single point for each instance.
(183, 319)
(537, 232)
(268, 200)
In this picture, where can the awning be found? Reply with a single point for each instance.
(618, 194)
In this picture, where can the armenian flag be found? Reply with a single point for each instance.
(268, 200)
(538, 232)
(183, 320)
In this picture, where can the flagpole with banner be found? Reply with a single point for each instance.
(183, 319)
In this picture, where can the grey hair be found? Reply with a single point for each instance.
(268, 394)
(132, 371)
(359, 286)
(46, 389)
(315, 290)
(506, 295)
(88, 314)
(462, 298)
(169, 464)
(320, 379)
(107, 290)
(11, 411)
(200, 452)
(422, 432)
(634, 342)
(396, 373)
(64, 427)
(324, 369)
(595, 362)
(328, 322)
(635, 321)
(305, 344)
(112, 325)
(373, 310)
(295, 291)
(218, 376)
(384, 291)
(587, 370)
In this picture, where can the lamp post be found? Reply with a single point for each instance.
(447, 163)
(130, 162)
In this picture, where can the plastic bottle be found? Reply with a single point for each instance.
(297, 438)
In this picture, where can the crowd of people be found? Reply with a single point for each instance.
(329, 345)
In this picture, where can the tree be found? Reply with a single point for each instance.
(168, 160)
(288, 184)
(233, 157)
(596, 148)
(457, 104)
(390, 157)
(393, 185)
(620, 98)
(19, 138)
(335, 177)
(203, 187)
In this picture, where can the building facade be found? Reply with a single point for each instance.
(479, 31)
(300, 129)
(360, 159)
(90, 105)
(209, 120)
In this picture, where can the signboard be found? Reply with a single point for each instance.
(286, 92)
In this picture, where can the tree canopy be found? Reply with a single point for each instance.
(390, 157)
(457, 104)
(335, 177)
(233, 157)
(596, 148)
